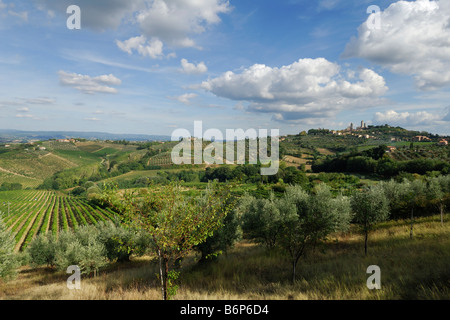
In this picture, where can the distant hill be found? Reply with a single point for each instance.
(23, 136)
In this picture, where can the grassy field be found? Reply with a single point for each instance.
(417, 268)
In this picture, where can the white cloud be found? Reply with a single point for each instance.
(405, 118)
(172, 22)
(327, 4)
(414, 39)
(23, 110)
(148, 48)
(191, 68)
(43, 100)
(2, 5)
(185, 98)
(175, 21)
(88, 84)
(21, 15)
(27, 116)
(308, 88)
(99, 15)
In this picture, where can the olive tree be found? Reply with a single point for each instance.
(309, 218)
(438, 190)
(8, 260)
(370, 207)
(261, 220)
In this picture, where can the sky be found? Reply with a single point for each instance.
(154, 66)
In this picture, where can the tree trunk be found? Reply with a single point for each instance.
(166, 275)
(161, 275)
(365, 242)
(294, 265)
(442, 214)
(412, 224)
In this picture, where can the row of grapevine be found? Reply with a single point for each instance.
(18, 204)
(40, 212)
(164, 159)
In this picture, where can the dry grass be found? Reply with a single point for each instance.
(410, 269)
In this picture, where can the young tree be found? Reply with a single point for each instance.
(370, 207)
(174, 222)
(310, 218)
(8, 260)
(415, 195)
(438, 190)
(261, 219)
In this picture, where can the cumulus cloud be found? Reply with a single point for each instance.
(165, 22)
(190, 68)
(414, 39)
(406, 118)
(148, 48)
(99, 15)
(308, 88)
(88, 84)
(175, 21)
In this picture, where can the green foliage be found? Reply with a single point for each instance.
(175, 223)
(297, 221)
(121, 243)
(261, 220)
(89, 247)
(370, 207)
(172, 276)
(8, 260)
(81, 248)
(310, 218)
(223, 238)
(42, 250)
(6, 186)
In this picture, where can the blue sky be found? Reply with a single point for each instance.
(151, 67)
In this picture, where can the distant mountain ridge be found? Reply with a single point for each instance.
(7, 135)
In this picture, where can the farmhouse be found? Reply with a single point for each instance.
(421, 138)
(391, 149)
(443, 142)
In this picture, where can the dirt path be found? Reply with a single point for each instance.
(16, 174)
(60, 158)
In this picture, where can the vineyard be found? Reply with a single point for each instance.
(163, 159)
(29, 213)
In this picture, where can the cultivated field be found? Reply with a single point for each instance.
(32, 212)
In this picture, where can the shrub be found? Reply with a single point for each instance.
(89, 247)
(42, 250)
(81, 248)
(8, 260)
(121, 243)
